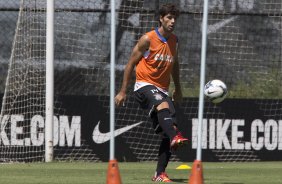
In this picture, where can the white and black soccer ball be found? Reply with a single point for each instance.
(215, 90)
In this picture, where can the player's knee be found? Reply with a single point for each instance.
(163, 105)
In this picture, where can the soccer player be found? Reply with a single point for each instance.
(156, 59)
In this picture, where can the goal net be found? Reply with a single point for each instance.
(244, 50)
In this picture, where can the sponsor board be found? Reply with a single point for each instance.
(241, 125)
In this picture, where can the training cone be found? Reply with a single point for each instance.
(196, 176)
(113, 176)
(183, 166)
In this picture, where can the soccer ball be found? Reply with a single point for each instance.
(215, 90)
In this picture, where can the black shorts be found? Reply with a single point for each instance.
(149, 97)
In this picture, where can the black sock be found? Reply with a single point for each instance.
(164, 155)
(166, 122)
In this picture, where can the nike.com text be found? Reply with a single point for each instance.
(229, 134)
(17, 131)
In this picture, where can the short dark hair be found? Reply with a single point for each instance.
(169, 8)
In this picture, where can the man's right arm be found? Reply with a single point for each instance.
(137, 53)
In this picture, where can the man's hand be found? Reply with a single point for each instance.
(120, 98)
(177, 96)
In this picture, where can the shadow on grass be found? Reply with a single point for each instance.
(180, 180)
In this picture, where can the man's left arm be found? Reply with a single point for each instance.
(177, 93)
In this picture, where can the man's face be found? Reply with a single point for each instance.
(168, 22)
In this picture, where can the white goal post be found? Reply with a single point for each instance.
(202, 79)
(49, 81)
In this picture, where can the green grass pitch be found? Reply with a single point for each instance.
(135, 173)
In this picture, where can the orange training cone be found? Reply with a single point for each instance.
(113, 176)
(196, 176)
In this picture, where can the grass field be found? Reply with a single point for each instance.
(135, 173)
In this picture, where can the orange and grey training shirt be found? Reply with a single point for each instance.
(155, 66)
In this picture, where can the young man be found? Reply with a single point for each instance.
(156, 59)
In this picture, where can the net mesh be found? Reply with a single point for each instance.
(244, 50)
